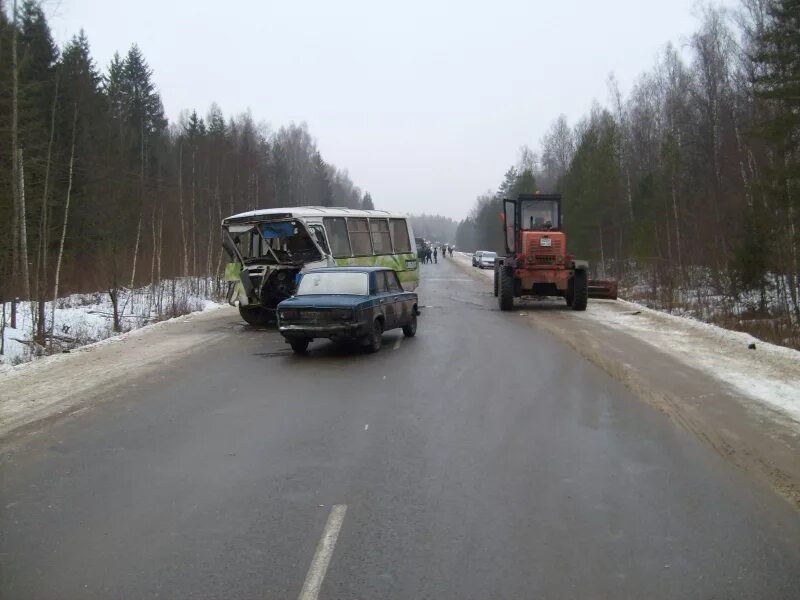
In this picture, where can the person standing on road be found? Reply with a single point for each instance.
(435, 252)
(450, 250)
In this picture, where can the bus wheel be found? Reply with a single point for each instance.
(256, 315)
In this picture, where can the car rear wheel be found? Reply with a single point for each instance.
(300, 346)
(410, 329)
(375, 338)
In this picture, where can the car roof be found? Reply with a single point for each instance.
(349, 269)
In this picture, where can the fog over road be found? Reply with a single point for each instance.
(481, 459)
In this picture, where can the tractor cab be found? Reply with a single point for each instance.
(540, 213)
(533, 228)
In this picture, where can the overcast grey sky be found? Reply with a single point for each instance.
(425, 103)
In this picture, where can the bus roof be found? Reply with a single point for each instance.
(290, 212)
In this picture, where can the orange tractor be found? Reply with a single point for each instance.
(536, 261)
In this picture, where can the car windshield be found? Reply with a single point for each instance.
(489, 254)
(334, 282)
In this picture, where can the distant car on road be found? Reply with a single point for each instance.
(475, 257)
(487, 260)
(347, 303)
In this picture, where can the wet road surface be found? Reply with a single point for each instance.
(481, 459)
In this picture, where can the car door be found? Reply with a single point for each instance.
(402, 305)
(385, 301)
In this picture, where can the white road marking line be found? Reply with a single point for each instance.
(319, 564)
(397, 343)
(366, 426)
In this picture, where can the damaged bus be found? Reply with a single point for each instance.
(269, 248)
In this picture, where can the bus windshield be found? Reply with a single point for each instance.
(277, 242)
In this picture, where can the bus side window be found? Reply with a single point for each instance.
(337, 236)
(381, 241)
(400, 239)
(358, 228)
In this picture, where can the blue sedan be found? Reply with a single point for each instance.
(347, 303)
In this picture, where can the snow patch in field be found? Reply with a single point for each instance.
(84, 319)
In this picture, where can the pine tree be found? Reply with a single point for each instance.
(778, 86)
(778, 83)
(366, 202)
(323, 194)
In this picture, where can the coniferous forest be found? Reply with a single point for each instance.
(99, 191)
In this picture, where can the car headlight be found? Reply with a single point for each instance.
(342, 314)
(288, 313)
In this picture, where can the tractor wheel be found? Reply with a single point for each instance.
(570, 293)
(581, 290)
(496, 283)
(506, 292)
(256, 315)
(300, 345)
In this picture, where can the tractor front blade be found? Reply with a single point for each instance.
(603, 288)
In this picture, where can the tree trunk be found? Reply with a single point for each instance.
(3, 331)
(193, 235)
(210, 253)
(66, 217)
(141, 205)
(158, 261)
(180, 205)
(14, 158)
(23, 229)
(136, 249)
(113, 294)
(677, 223)
(153, 256)
(41, 262)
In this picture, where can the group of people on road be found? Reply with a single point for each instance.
(430, 254)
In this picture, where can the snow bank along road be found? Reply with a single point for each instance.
(481, 459)
(744, 402)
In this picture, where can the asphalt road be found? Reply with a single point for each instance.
(482, 459)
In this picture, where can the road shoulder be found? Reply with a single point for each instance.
(762, 441)
(62, 384)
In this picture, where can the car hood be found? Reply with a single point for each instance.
(323, 301)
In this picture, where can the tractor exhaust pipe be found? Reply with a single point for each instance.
(603, 288)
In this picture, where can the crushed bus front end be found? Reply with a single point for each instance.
(267, 253)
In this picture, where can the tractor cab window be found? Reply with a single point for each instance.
(541, 215)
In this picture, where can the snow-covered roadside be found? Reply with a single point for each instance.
(763, 372)
(768, 375)
(83, 319)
